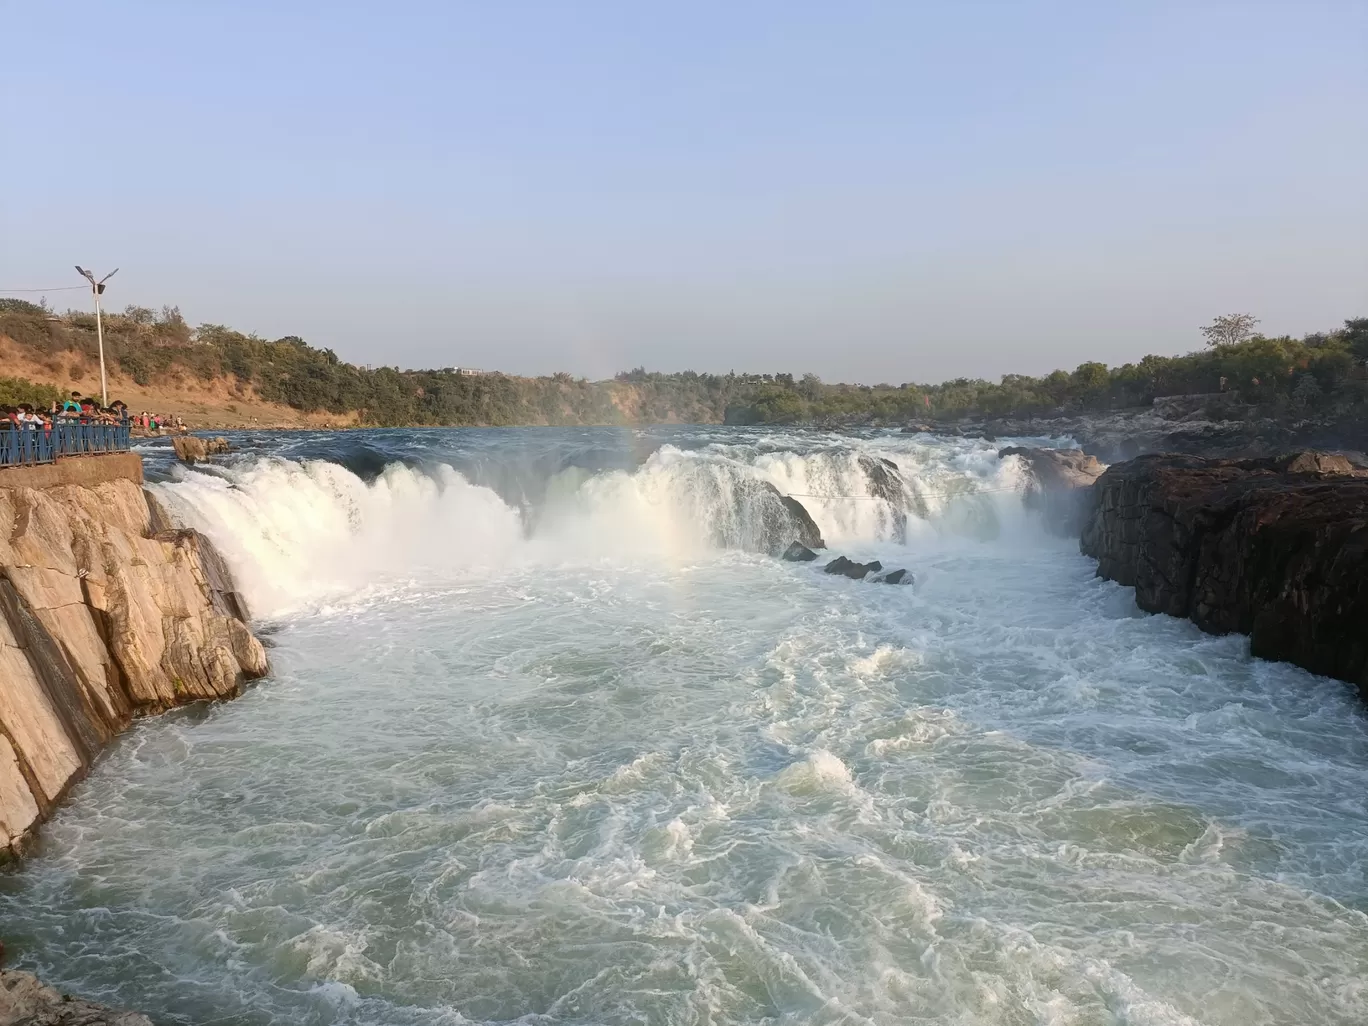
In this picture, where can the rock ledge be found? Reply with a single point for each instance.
(1275, 548)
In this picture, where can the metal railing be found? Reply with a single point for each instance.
(24, 444)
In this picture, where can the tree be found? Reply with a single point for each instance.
(1090, 380)
(1230, 329)
(1355, 336)
(1307, 394)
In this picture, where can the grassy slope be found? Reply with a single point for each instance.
(221, 403)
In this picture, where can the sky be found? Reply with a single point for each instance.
(876, 192)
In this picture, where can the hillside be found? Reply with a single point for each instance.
(216, 377)
(221, 402)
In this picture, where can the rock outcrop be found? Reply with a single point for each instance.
(25, 1001)
(105, 614)
(849, 568)
(801, 524)
(885, 482)
(192, 449)
(1060, 483)
(1275, 548)
(765, 520)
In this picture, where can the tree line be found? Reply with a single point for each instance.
(1321, 374)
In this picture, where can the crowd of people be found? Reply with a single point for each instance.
(86, 410)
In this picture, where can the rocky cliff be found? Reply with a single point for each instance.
(106, 613)
(1274, 548)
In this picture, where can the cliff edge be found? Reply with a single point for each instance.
(1274, 548)
(106, 613)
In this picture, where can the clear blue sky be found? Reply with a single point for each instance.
(875, 192)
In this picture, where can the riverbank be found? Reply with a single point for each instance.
(1216, 426)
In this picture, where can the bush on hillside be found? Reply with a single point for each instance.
(14, 391)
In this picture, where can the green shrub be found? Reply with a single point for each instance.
(14, 391)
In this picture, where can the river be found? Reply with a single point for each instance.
(546, 742)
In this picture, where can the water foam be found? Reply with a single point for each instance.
(552, 785)
(298, 532)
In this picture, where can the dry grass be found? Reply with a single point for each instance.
(221, 403)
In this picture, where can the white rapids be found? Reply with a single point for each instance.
(594, 759)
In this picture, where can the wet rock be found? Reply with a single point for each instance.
(26, 1001)
(1060, 479)
(895, 577)
(849, 568)
(802, 523)
(1275, 548)
(886, 482)
(192, 449)
(799, 553)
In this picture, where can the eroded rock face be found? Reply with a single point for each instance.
(1274, 548)
(105, 614)
(1060, 479)
(25, 1001)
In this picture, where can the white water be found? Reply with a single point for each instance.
(580, 764)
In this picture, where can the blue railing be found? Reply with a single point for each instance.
(22, 444)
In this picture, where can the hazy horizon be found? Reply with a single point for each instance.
(880, 194)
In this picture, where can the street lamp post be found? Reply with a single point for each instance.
(97, 288)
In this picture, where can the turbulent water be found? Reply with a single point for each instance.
(551, 740)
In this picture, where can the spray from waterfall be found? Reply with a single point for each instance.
(298, 531)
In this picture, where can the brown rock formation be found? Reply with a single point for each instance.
(24, 1001)
(104, 615)
(190, 449)
(1274, 548)
(1060, 479)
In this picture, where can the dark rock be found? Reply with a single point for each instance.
(1059, 482)
(799, 553)
(849, 568)
(761, 520)
(885, 482)
(895, 577)
(806, 528)
(1272, 548)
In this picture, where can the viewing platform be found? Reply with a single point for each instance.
(28, 444)
(45, 455)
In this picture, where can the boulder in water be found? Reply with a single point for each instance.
(808, 531)
(799, 553)
(849, 568)
(885, 482)
(191, 449)
(895, 577)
